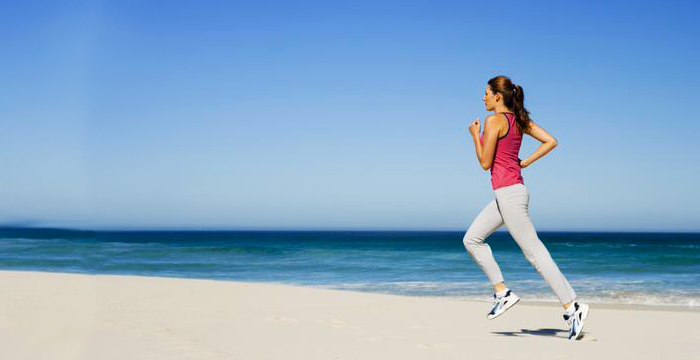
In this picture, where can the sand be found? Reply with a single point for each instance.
(55, 316)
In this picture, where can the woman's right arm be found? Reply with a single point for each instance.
(548, 143)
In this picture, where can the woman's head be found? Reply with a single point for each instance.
(501, 90)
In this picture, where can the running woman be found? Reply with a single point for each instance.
(497, 149)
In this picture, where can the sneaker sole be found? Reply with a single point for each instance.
(505, 309)
(584, 316)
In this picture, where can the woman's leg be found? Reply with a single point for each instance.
(512, 203)
(488, 220)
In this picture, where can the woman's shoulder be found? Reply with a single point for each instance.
(497, 120)
(497, 117)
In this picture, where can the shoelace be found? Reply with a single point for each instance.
(496, 300)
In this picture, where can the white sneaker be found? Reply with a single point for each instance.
(501, 304)
(576, 320)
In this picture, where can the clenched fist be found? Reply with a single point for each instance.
(475, 127)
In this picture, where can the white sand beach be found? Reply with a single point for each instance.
(75, 316)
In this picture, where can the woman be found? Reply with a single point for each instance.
(497, 149)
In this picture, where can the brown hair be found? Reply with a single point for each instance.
(513, 98)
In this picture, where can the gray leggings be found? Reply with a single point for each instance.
(510, 207)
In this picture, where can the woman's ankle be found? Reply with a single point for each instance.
(500, 287)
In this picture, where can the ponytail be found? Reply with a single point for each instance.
(513, 98)
(522, 116)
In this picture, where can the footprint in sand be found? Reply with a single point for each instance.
(420, 327)
(439, 346)
(336, 323)
(280, 319)
(383, 338)
(588, 337)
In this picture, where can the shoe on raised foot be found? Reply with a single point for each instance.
(501, 304)
(576, 320)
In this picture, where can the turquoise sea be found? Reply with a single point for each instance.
(610, 267)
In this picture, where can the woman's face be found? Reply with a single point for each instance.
(489, 99)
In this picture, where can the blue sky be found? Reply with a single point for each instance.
(342, 115)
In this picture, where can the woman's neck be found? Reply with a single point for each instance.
(501, 109)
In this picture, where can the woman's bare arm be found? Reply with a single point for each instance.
(485, 152)
(548, 143)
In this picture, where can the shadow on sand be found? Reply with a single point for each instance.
(540, 332)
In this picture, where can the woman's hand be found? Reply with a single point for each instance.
(523, 164)
(475, 127)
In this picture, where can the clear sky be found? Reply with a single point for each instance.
(342, 115)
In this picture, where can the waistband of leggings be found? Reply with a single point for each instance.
(516, 186)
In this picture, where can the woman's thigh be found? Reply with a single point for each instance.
(488, 220)
(513, 203)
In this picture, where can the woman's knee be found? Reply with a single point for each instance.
(472, 239)
(467, 239)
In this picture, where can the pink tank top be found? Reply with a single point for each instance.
(505, 170)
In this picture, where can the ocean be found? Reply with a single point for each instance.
(603, 267)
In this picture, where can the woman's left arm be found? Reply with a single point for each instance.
(485, 151)
(548, 143)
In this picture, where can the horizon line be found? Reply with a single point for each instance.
(306, 229)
